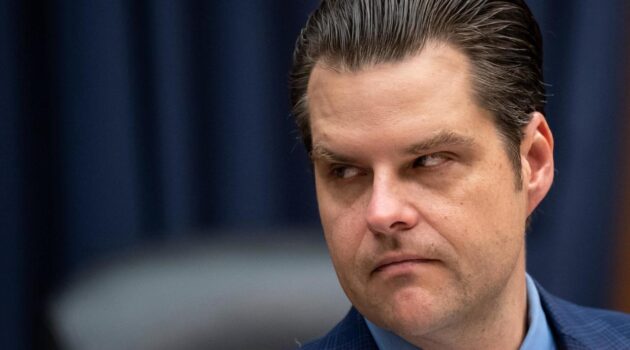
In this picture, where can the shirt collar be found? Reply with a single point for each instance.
(538, 335)
(538, 332)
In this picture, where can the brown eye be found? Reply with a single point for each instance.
(430, 160)
(345, 172)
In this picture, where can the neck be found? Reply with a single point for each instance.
(500, 323)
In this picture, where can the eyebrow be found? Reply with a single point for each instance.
(439, 139)
(321, 152)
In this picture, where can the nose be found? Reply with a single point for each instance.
(390, 209)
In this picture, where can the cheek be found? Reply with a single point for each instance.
(343, 238)
(343, 230)
(483, 215)
(504, 219)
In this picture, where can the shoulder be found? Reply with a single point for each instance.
(578, 327)
(350, 333)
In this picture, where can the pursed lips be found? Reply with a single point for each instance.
(397, 260)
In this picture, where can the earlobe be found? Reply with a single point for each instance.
(537, 160)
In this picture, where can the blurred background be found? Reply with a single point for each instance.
(137, 134)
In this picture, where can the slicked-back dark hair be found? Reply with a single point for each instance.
(500, 38)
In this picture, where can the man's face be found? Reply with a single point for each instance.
(416, 194)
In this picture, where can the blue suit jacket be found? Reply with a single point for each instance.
(573, 327)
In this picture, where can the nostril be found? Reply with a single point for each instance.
(399, 225)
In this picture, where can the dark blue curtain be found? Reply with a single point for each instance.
(572, 242)
(128, 121)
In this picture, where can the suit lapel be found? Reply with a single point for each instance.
(577, 327)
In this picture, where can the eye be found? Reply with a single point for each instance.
(344, 171)
(430, 160)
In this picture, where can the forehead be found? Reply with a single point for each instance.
(436, 67)
(426, 92)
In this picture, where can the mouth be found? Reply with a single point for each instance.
(400, 264)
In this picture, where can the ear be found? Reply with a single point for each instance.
(537, 160)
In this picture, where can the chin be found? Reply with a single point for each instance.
(407, 312)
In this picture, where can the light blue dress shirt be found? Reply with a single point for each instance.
(538, 332)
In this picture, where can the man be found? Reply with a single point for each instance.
(425, 123)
